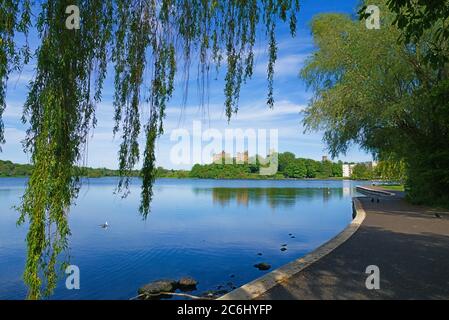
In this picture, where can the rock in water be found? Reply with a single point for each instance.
(262, 266)
(187, 284)
(214, 294)
(209, 294)
(157, 287)
(283, 249)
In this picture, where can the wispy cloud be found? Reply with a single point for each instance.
(22, 78)
(286, 66)
(262, 112)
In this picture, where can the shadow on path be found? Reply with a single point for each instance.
(409, 244)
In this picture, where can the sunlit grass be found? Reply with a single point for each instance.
(393, 187)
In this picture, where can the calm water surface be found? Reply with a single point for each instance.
(211, 230)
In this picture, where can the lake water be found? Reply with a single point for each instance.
(211, 230)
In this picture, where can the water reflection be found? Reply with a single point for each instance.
(206, 229)
(274, 197)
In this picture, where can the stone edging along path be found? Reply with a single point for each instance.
(371, 191)
(261, 285)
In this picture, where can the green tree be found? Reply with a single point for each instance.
(362, 172)
(285, 159)
(296, 169)
(312, 168)
(391, 170)
(417, 17)
(381, 93)
(337, 169)
(325, 170)
(196, 171)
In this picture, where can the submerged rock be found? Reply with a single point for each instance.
(263, 266)
(283, 249)
(156, 287)
(214, 294)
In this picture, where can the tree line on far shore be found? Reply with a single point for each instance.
(10, 169)
(289, 167)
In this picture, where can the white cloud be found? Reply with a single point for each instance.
(289, 65)
(14, 135)
(255, 111)
(22, 78)
(262, 112)
(13, 110)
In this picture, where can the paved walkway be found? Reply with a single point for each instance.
(409, 244)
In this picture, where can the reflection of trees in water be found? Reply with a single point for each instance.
(274, 197)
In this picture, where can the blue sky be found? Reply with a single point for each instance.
(291, 97)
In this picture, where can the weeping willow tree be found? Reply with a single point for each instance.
(146, 42)
(14, 18)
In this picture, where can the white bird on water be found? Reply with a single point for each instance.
(105, 225)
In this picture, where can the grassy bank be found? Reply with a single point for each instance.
(392, 187)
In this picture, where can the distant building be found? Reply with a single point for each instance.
(242, 157)
(220, 157)
(370, 164)
(325, 158)
(347, 169)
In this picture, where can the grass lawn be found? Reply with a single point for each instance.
(392, 187)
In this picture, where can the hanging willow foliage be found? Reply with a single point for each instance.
(148, 41)
(14, 18)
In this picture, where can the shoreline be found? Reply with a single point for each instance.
(230, 179)
(263, 284)
(406, 243)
